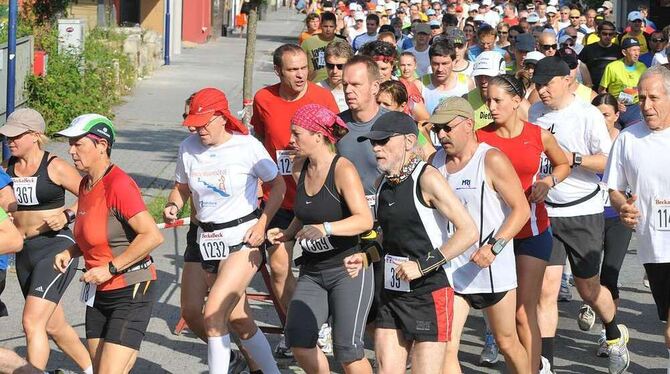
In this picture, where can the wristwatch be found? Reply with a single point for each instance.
(112, 269)
(497, 245)
(576, 159)
(69, 215)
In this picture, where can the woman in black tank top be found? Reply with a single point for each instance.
(39, 181)
(330, 212)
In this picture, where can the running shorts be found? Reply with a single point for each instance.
(192, 252)
(581, 240)
(35, 265)
(538, 246)
(422, 318)
(121, 316)
(481, 301)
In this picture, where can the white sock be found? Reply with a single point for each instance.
(259, 349)
(89, 370)
(218, 354)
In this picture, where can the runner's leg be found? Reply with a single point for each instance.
(451, 363)
(530, 272)
(67, 338)
(194, 291)
(391, 350)
(503, 325)
(424, 357)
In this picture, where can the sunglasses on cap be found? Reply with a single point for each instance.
(332, 66)
(546, 47)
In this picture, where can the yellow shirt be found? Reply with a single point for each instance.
(482, 113)
(641, 39)
(621, 81)
(594, 38)
(583, 93)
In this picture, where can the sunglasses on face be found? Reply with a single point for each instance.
(437, 127)
(607, 34)
(503, 32)
(546, 47)
(574, 17)
(658, 40)
(332, 66)
(381, 142)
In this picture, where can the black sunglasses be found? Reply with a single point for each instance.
(546, 47)
(658, 40)
(503, 32)
(603, 33)
(332, 66)
(575, 17)
(437, 127)
(382, 142)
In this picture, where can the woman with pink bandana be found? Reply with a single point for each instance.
(330, 212)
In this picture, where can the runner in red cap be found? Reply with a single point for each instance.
(219, 166)
(274, 107)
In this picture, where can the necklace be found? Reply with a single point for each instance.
(92, 184)
(405, 172)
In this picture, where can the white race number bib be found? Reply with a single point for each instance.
(316, 246)
(87, 295)
(25, 189)
(285, 161)
(371, 204)
(391, 279)
(212, 245)
(660, 214)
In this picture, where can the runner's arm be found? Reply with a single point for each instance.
(437, 193)
(559, 162)
(7, 199)
(147, 238)
(349, 185)
(506, 182)
(277, 190)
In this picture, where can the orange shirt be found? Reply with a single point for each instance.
(272, 121)
(306, 35)
(102, 231)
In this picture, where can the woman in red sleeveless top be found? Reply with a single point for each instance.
(526, 144)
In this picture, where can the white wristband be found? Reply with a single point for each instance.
(328, 228)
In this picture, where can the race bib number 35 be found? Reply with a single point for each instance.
(212, 246)
(285, 161)
(317, 246)
(391, 279)
(660, 210)
(25, 189)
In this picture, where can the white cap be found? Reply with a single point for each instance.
(490, 63)
(551, 9)
(415, 1)
(487, 2)
(473, 7)
(479, 17)
(533, 56)
(380, 9)
(389, 6)
(553, 2)
(359, 15)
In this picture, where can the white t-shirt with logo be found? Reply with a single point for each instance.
(224, 179)
(639, 160)
(579, 127)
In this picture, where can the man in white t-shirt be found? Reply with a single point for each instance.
(575, 208)
(420, 49)
(358, 28)
(638, 161)
(491, 17)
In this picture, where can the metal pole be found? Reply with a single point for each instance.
(167, 32)
(11, 66)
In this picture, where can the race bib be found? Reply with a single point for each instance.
(284, 161)
(660, 210)
(87, 295)
(627, 96)
(316, 246)
(391, 279)
(25, 189)
(371, 204)
(545, 166)
(212, 246)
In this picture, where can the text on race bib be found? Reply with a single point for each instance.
(212, 246)
(391, 279)
(284, 161)
(25, 189)
(316, 246)
(545, 166)
(371, 204)
(660, 211)
(87, 295)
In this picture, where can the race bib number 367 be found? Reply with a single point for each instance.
(660, 210)
(391, 279)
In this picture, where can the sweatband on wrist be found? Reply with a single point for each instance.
(431, 262)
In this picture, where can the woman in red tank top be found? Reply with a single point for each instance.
(525, 143)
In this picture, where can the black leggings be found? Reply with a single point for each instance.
(615, 245)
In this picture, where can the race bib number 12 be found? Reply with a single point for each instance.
(284, 161)
(391, 279)
(660, 210)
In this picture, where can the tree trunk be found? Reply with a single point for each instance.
(247, 98)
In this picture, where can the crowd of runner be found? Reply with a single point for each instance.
(416, 159)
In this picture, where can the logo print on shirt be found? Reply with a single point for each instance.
(307, 202)
(391, 204)
(465, 182)
(220, 189)
(551, 129)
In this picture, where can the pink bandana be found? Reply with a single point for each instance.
(318, 118)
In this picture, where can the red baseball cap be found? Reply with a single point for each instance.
(209, 102)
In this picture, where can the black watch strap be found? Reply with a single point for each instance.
(112, 269)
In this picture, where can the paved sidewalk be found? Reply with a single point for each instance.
(149, 135)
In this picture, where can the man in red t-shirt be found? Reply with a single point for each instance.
(274, 107)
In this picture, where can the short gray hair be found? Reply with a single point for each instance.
(661, 71)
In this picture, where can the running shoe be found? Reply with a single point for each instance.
(586, 318)
(565, 293)
(545, 367)
(237, 363)
(281, 350)
(618, 352)
(603, 349)
(489, 354)
(325, 340)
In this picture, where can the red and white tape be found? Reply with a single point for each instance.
(180, 222)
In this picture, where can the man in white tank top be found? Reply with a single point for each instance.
(483, 277)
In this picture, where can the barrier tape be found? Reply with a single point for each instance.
(177, 223)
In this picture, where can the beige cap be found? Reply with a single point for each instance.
(450, 108)
(21, 121)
